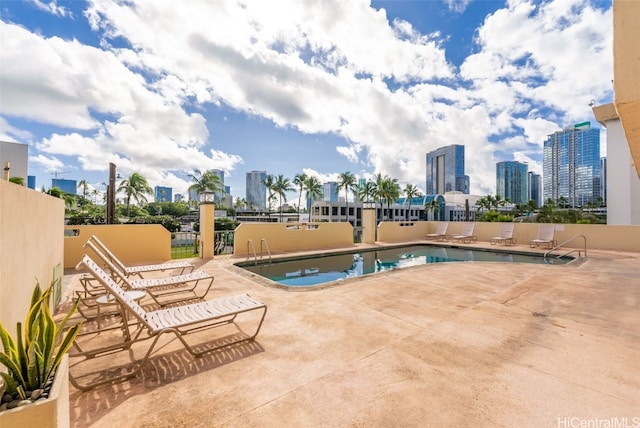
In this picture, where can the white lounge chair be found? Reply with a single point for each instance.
(466, 235)
(159, 288)
(505, 236)
(545, 236)
(179, 320)
(183, 266)
(441, 232)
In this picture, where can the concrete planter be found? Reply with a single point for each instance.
(50, 413)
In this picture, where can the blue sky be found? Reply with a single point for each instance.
(322, 87)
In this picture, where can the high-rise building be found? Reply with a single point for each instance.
(329, 191)
(227, 198)
(14, 157)
(535, 188)
(163, 194)
(219, 196)
(571, 165)
(67, 186)
(256, 191)
(511, 181)
(445, 170)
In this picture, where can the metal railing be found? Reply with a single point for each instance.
(252, 249)
(223, 242)
(266, 244)
(572, 250)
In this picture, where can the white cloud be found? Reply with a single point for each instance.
(322, 67)
(51, 7)
(49, 164)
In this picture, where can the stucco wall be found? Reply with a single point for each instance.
(31, 247)
(282, 237)
(604, 237)
(131, 243)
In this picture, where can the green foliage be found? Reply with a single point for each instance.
(495, 216)
(131, 211)
(174, 209)
(32, 359)
(169, 223)
(206, 181)
(17, 180)
(135, 187)
(225, 224)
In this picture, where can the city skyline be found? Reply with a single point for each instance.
(366, 87)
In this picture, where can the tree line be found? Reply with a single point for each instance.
(382, 189)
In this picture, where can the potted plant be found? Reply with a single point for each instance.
(34, 356)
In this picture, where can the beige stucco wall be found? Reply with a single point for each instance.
(604, 237)
(404, 231)
(131, 243)
(626, 68)
(283, 237)
(31, 247)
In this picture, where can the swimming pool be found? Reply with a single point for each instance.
(322, 268)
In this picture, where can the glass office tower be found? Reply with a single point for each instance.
(67, 186)
(163, 194)
(511, 181)
(256, 191)
(445, 170)
(535, 188)
(571, 165)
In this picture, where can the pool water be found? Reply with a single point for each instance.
(321, 268)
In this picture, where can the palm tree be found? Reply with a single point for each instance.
(388, 190)
(299, 180)
(499, 201)
(410, 192)
(206, 182)
(365, 192)
(85, 188)
(346, 181)
(135, 187)
(314, 190)
(269, 181)
(95, 194)
(281, 186)
(68, 198)
(241, 203)
(431, 206)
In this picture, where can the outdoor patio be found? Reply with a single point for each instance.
(467, 344)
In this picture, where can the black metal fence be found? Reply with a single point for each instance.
(223, 242)
(185, 245)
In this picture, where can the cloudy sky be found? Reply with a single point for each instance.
(322, 87)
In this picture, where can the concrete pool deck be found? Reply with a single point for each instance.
(469, 344)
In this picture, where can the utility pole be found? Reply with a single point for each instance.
(111, 194)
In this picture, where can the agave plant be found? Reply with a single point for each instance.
(32, 359)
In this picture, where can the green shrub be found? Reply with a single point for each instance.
(32, 359)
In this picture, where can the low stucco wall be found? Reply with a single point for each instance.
(283, 237)
(599, 236)
(131, 243)
(31, 247)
